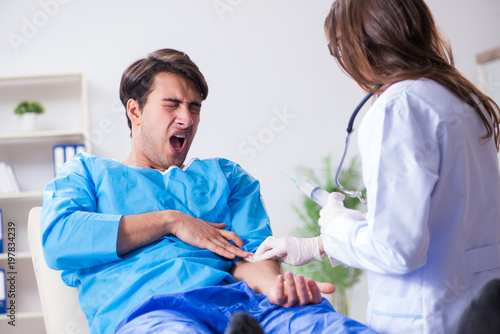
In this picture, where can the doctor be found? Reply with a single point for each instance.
(431, 237)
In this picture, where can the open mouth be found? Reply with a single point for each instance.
(177, 141)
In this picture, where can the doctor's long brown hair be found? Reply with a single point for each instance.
(386, 41)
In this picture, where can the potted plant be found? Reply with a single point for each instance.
(342, 277)
(28, 110)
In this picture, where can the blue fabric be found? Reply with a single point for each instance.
(82, 208)
(208, 311)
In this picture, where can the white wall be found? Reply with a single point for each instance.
(261, 59)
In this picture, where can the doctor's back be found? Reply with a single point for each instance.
(431, 236)
(434, 193)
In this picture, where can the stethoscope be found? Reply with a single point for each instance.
(352, 193)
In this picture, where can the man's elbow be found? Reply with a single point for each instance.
(56, 254)
(53, 257)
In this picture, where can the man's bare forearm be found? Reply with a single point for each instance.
(260, 276)
(265, 277)
(138, 230)
(142, 229)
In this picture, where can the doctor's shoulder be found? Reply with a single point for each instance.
(416, 95)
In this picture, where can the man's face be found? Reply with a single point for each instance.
(167, 123)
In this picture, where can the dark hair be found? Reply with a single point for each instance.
(387, 41)
(137, 80)
(483, 313)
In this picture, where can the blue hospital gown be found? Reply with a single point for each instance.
(82, 208)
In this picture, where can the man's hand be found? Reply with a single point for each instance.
(211, 236)
(141, 229)
(289, 291)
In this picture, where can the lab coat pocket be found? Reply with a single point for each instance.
(393, 314)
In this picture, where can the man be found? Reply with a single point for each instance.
(166, 237)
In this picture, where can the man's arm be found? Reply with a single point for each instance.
(266, 277)
(251, 223)
(75, 235)
(260, 276)
(138, 230)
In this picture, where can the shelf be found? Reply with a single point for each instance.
(30, 315)
(25, 195)
(24, 315)
(42, 78)
(488, 56)
(39, 135)
(19, 256)
(30, 154)
(64, 97)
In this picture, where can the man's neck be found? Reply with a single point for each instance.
(134, 160)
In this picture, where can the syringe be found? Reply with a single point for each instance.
(311, 190)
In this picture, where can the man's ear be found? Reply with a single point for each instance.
(133, 111)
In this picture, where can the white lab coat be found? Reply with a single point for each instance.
(431, 238)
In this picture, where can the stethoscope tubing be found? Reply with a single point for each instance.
(350, 125)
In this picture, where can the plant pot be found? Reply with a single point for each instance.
(28, 121)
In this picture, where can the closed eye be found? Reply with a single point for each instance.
(173, 104)
(194, 108)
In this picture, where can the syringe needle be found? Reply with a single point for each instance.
(293, 180)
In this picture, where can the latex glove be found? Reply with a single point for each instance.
(293, 251)
(335, 208)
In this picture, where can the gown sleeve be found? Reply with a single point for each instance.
(400, 157)
(74, 235)
(249, 219)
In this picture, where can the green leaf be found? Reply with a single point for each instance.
(28, 106)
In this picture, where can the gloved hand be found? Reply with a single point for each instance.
(335, 208)
(293, 251)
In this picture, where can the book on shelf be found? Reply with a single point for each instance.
(3, 292)
(8, 180)
(64, 153)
